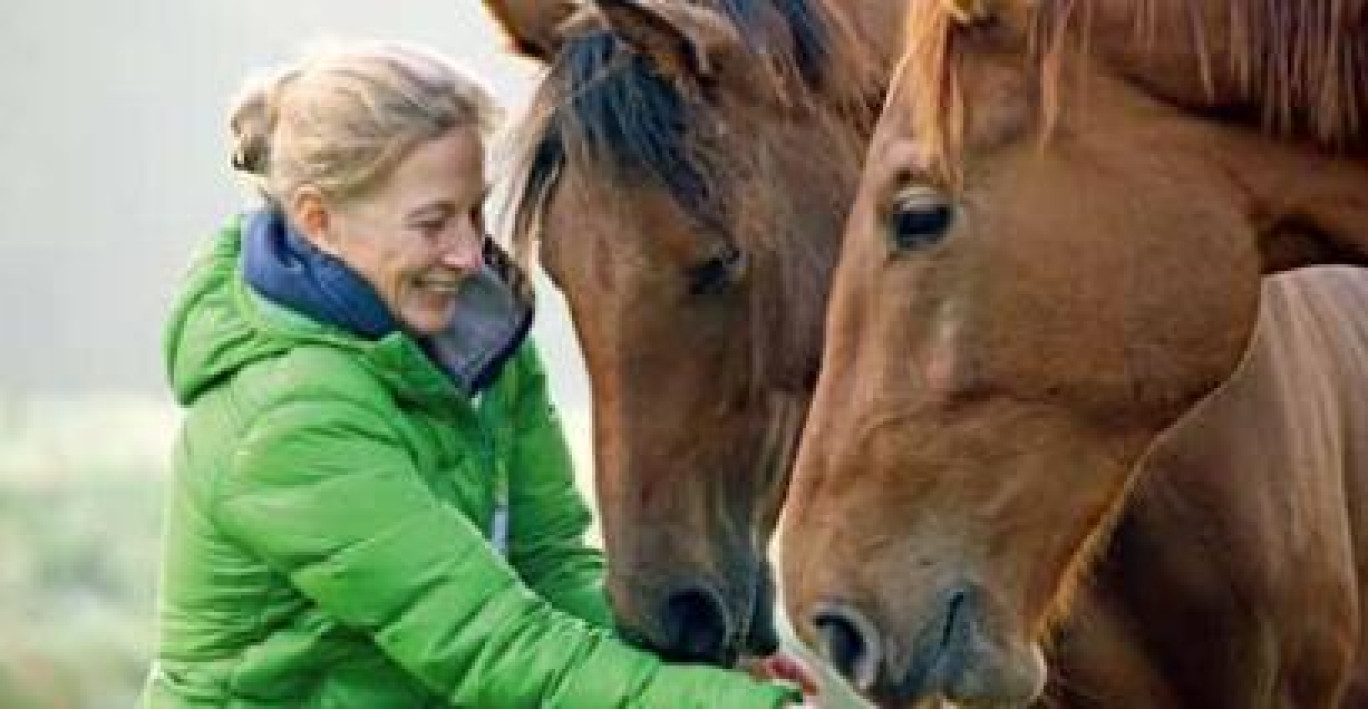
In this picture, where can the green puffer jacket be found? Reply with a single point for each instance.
(326, 542)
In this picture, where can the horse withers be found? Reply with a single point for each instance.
(1065, 411)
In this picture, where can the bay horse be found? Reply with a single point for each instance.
(1095, 379)
(686, 169)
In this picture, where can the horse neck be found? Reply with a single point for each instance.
(1312, 203)
(1296, 65)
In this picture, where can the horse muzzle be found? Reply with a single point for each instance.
(952, 657)
(694, 621)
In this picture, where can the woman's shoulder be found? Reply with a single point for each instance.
(319, 373)
(526, 362)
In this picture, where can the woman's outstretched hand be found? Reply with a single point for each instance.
(784, 667)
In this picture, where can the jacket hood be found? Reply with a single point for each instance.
(219, 325)
(207, 338)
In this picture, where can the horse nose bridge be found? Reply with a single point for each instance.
(656, 451)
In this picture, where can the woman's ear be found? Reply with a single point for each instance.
(308, 213)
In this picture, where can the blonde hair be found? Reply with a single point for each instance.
(341, 118)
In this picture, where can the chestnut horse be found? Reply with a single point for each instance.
(1061, 411)
(688, 167)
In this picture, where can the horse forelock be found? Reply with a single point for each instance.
(1302, 65)
(604, 108)
(927, 88)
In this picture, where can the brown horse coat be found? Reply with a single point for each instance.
(1234, 576)
(1048, 393)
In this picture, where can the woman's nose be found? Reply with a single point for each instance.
(466, 252)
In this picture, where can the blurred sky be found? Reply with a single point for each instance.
(113, 132)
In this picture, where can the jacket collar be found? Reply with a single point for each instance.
(285, 268)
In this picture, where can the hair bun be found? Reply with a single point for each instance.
(251, 123)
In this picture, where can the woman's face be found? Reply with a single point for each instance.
(419, 233)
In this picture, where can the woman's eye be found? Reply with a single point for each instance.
(919, 219)
(717, 273)
(432, 227)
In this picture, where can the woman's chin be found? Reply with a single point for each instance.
(429, 321)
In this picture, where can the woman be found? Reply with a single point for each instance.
(372, 503)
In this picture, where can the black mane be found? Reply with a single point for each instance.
(605, 102)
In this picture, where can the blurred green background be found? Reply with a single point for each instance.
(80, 492)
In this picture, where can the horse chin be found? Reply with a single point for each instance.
(1011, 686)
(996, 678)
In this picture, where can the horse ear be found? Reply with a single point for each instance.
(533, 27)
(684, 42)
(969, 12)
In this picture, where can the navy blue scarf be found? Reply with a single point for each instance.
(285, 268)
(494, 311)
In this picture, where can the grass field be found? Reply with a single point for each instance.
(80, 499)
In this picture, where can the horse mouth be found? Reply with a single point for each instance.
(759, 637)
(762, 642)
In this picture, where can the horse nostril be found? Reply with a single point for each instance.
(849, 643)
(696, 627)
(958, 623)
(841, 643)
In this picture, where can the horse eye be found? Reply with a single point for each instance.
(716, 274)
(919, 219)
